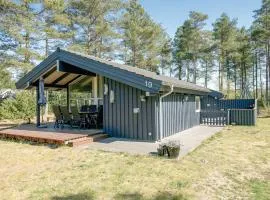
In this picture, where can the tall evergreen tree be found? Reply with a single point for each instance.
(207, 57)
(224, 33)
(142, 37)
(261, 31)
(187, 45)
(92, 20)
(18, 26)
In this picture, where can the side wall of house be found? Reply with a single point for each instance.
(179, 113)
(127, 112)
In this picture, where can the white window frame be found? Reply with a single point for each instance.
(197, 100)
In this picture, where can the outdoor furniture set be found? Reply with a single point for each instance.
(87, 117)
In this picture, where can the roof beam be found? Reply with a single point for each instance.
(49, 73)
(73, 80)
(50, 85)
(60, 78)
(65, 67)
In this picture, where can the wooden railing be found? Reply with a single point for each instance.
(214, 117)
(246, 117)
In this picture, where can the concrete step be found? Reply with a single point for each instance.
(98, 137)
(80, 141)
(86, 140)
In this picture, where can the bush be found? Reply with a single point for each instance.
(21, 107)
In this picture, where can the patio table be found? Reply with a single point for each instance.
(91, 117)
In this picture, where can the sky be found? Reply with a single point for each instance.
(172, 13)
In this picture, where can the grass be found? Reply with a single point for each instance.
(233, 164)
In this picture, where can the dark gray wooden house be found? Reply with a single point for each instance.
(137, 103)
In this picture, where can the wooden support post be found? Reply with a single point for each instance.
(95, 89)
(68, 98)
(228, 117)
(37, 106)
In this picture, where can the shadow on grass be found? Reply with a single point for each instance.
(122, 196)
(33, 143)
(159, 196)
(80, 196)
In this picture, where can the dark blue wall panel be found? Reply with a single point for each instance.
(119, 117)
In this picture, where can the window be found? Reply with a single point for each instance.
(105, 89)
(111, 96)
(198, 104)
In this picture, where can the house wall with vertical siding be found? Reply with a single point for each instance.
(119, 117)
(179, 113)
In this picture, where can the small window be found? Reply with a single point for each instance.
(198, 104)
(105, 89)
(111, 96)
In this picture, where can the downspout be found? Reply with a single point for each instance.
(161, 111)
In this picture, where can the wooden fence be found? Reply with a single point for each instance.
(214, 117)
(246, 117)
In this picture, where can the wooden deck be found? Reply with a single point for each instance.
(66, 136)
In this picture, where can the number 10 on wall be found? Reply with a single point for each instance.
(148, 84)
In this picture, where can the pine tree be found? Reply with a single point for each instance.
(261, 33)
(224, 33)
(207, 57)
(18, 25)
(54, 25)
(187, 45)
(142, 37)
(92, 22)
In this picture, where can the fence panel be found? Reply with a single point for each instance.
(214, 117)
(210, 103)
(242, 117)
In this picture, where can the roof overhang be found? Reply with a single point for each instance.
(166, 88)
(62, 68)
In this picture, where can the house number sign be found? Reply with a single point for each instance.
(148, 84)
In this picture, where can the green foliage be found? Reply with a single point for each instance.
(260, 189)
(224, 32)
(123, 30)
(22, 107)
(93, 23)
(144, 40)
(188, 44)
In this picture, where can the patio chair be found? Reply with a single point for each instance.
(58, 116)
(92, 108)
(77, 119)
(84, 108)
(66, 115)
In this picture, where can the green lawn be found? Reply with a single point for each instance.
(233, 164)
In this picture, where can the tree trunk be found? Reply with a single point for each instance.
(235, 80)
(195, 72)
(187, 72)
(256, 75)
(219, 77)
(134, 56)
(89, 43)
(206, 74)
(261, 81)
(228, 76)
(46, 47)
(179, 71)
(242, 80)
(221, 71)
(26, 53)
(267, 74)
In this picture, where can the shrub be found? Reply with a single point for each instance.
(21, 107)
